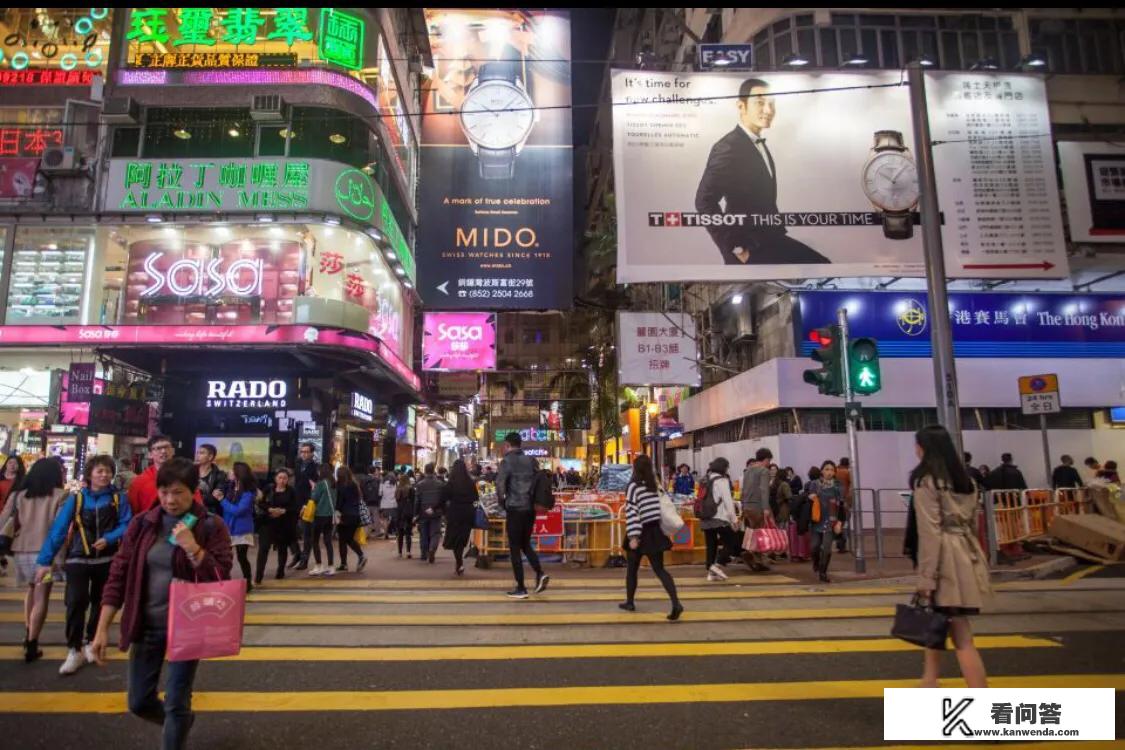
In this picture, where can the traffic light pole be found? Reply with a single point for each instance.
(852, 416)
(941, 336)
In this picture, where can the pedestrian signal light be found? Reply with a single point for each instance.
(863, 366)
(829, 378)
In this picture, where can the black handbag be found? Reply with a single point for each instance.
(921, 624)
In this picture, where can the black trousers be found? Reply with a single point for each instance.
(822, 550)
(405, 530)
(729, 538)
(520, 526)
(322, 529)
(346, 532)
(242, 551)
(84, 584)
(269, 538)
(633, 566)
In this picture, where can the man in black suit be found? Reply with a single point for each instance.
(741, 170)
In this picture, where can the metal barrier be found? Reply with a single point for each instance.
(582, 539)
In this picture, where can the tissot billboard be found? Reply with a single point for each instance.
(778, 175)
(495, 227)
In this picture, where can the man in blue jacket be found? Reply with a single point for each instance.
(89, 526)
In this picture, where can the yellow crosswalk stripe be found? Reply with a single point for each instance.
(1080, 574)
(477, 698)
(536, 618)
(558, 581)
(572, 651)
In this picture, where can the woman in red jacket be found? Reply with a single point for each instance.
(177, 539)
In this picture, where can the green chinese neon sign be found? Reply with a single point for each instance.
(355, 194)
(214, 186)
(395, 238)
(206, 27)
(341, 38)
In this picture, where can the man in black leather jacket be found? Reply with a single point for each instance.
(513, 490)
(428, 512)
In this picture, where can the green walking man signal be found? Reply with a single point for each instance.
(863, 366)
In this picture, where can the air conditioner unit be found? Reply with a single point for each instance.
(267, 108)
(121, 110)
(59, 159)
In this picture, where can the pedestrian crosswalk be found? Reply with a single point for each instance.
(438, 664)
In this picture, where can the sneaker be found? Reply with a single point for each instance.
(74, 661)
(628, 606)
(316, 571)
(541, 583)
(712, 577)
(294, 563)
(517, 594)
(716, 571)
(342, 568)
(302, 565)
(361, 564)
(88, 652)
(329, 571)
(460, 570)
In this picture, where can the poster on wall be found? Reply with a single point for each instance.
(249, 449)
(459, 341)
(495, 227)
(657, 348)
(1093, 175)
(803, 175)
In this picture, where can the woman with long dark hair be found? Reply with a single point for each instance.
(348, 498)
(458, 499)
(11, 477)
(646, 538)
(32, 509)
(952, 569)
(238, 515)
(280, 507)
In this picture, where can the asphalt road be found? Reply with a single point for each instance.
(802, 683)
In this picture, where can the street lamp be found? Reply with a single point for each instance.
(736, 299)
(795, 61)
(1034, 61)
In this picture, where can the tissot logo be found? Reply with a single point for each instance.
(247, 394)
(670, 219)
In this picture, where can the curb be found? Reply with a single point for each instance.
(1037, 572)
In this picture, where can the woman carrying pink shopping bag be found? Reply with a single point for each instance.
(178, 540)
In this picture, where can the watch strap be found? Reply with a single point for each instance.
(889, 140)
(898, 225)
(499, 70)
(497, 163)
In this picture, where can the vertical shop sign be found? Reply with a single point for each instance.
(341, 38)
(80, 384)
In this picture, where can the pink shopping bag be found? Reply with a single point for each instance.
(205, 619)
(768, 540)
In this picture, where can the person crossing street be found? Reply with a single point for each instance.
(513, 490)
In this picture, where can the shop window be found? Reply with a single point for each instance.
(271, 140)
(319, 133)
(184, 133)
(126, 143)
(48, 274)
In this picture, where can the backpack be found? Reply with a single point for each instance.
(76, 522)
(706, 508)
(542, 490)
(371, 490)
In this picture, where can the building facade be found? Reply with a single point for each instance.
(225, 232)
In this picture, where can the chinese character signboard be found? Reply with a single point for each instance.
(53, 46)
(984, 324)
(1093, 175)
(773, 175)
(495, 206)
(1039, 394)
(243, 37)
(459, 341)
(657, 349)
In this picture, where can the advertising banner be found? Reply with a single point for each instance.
(725, 176)
(459, 341)
(1093, 175)
(657, 349)
(985, 324)
(496, 227)
(118, 416)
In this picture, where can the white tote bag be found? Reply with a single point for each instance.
(670, 520)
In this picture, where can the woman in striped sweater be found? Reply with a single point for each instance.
(642, 527)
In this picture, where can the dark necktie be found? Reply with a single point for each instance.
(769, 157)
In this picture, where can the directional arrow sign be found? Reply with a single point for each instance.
(1042, 265)
(442, 288)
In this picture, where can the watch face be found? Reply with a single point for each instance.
(890, 181)
(487, 115)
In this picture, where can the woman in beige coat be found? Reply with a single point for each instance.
(952, 569)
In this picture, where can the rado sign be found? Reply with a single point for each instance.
(246, 394)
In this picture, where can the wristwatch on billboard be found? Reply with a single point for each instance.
(890, 181)
(497, 116)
